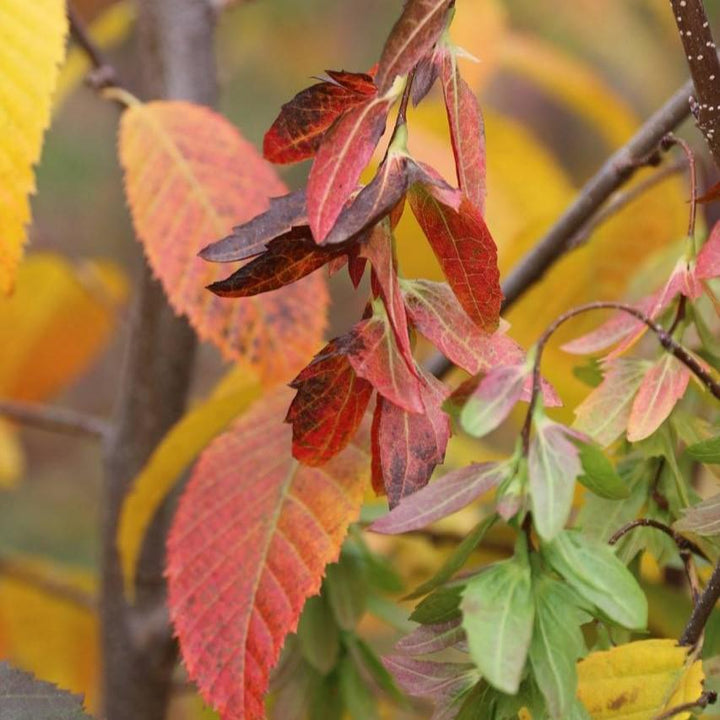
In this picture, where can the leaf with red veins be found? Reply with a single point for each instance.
(412, 37)
(375, 356)
(285, 213)
(707, 265)
(376, 200)
(441, 498)
(287, 259)
(605, 412)
(412, 445)
(660, 390)
(329, 405)
(466, 252)
(342, 156)
(379, 251)
(467, 131)
(303, 122)
(442, 191)
(252, 535)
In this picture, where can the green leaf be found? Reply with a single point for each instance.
(357, 696)
(326, 699)
(707, 451)
(590, 373)
(366, 657)
(596, 573)
(600, 476)
(318, 634)
(443, 605)
(557, 643)
(498, 613)
(457, 559)
(347, 590)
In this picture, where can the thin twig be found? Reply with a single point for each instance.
(681, 542)
(615, 172)
(701, 612)
(669, 141)
(54, 419)
(707, 698)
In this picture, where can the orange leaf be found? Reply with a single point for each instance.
(250, 542)
(189, 177)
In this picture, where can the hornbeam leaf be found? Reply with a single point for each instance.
(374, 355)
(412, 37)
(465, 250)
(250, 239)
(660, 390)
(302, 123)
(441, 498)
(188, 176)
(329, 406)
(249, 544)
(32, 46)
(410, 445)
(286, 260)
(343, 154)
(467, 130)
(23, 697)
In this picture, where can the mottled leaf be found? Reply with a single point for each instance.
(250, 540)
(412, 37)
(343, 154)
(329, 405)
(660, 390)
(189, 175)
(465, 250)
(286, 212)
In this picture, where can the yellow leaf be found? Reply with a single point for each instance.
(178, 449)
(32, 44)
(107, 31)
(639, 680)
(12, 461)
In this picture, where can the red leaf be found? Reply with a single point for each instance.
(285, 213)
(251, 538)
(466, 252)
(708, 259)
(287, 259)
(412, 37)
(374, 201)
(426, 73)
(711, 194)
(298, 131)
(329, 406)
(343, 154)
(411, 445)
(659, 392)
(374, 356)
(378, 484)
(437, 314)
(467, 131)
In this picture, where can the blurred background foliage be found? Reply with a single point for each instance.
(562, 84)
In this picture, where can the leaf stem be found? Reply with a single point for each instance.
(60, 420)
(669, 141)
(707, 698)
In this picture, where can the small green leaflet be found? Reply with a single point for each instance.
(440, 607)
(356, 695)
(599, 475)
(707, 451)
(595, 572)
(498, 612)
(346, 590)
(318, 635)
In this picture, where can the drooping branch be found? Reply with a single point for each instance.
(699, 46)
(60, 420)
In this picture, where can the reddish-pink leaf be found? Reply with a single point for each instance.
(467, 131)
(440, 681)
(661, 388)
(412, 37)
(376, 475)
(251, 538)
(189, 176)
(466, 251)
(329, 406)
(426, 639)
(604, 413)
(288, 258)
(411, 445)
(374, 201)
(298, 131)
(441, 498)
(375, 356)
(285, 213)
(708, 259)
(426, 73)
(343, 154)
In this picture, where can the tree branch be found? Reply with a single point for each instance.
(697, 40)
(60, 420)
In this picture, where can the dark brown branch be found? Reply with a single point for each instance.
(699, 46)
(54, 419)
(707, 698)
(701, 612)
(682, 543)
(616, 171)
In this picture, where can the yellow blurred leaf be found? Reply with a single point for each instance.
(107, 31)
(639, 680)
(32, 44)
(178, 449)
(11, 457)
